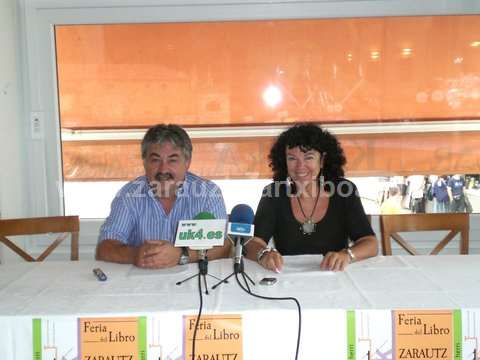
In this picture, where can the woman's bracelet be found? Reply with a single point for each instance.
(351, 256)
(261, 253)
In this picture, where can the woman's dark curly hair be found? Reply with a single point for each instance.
(307, 136)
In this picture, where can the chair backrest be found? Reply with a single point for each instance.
(64, 225)
(391, 225)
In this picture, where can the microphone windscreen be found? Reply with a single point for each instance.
(204, 215)
(242, 213)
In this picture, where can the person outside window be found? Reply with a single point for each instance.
(456, 194)
(440, 195)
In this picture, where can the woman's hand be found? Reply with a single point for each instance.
(335, 260)
(364, 248)
(272, 260)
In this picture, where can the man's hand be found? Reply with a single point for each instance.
(335, 261)
(157, 255)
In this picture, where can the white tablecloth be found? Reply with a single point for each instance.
(69, 290)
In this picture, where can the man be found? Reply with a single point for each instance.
(440, 195)
(145, 213)
(456, 194)
(416, 185)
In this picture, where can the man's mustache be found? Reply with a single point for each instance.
(163, 176)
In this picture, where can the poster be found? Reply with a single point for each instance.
(427, 334)
(373, 335)
(218, 337)
(112, 338)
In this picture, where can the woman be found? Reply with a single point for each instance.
(310, 208)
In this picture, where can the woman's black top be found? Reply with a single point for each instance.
(344, 219)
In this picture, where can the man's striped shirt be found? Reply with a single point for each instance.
(136, 215)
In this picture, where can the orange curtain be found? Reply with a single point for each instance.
(242, 158)
(216, 73)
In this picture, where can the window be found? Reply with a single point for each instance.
(402, 94)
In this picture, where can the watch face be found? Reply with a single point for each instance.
(184, 258)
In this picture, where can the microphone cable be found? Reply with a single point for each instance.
(277, 298)
(198, 316)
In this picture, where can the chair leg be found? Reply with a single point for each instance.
(464, 242)
(16, 249)
(74, 246)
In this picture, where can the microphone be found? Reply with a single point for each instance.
(240, 229)
(240, 232)
(202, 253)
(201, 233)
(204, 215)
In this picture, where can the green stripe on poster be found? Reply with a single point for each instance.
(457, 335)
(142, 338)
(351, 348)
(37, 339)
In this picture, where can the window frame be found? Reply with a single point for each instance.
(39, 17)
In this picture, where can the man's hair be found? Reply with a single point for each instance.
(167, 133)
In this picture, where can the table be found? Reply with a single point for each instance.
(61, 293)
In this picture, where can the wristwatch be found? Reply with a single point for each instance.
(184, 257)
(351, 256)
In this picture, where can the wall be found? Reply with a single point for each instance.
(12, 152)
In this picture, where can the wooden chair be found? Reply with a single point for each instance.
(34, 226)
(391, 225)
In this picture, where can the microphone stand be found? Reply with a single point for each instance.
(202, 270)
(238, 267)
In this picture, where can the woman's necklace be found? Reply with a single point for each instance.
(308, 225)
